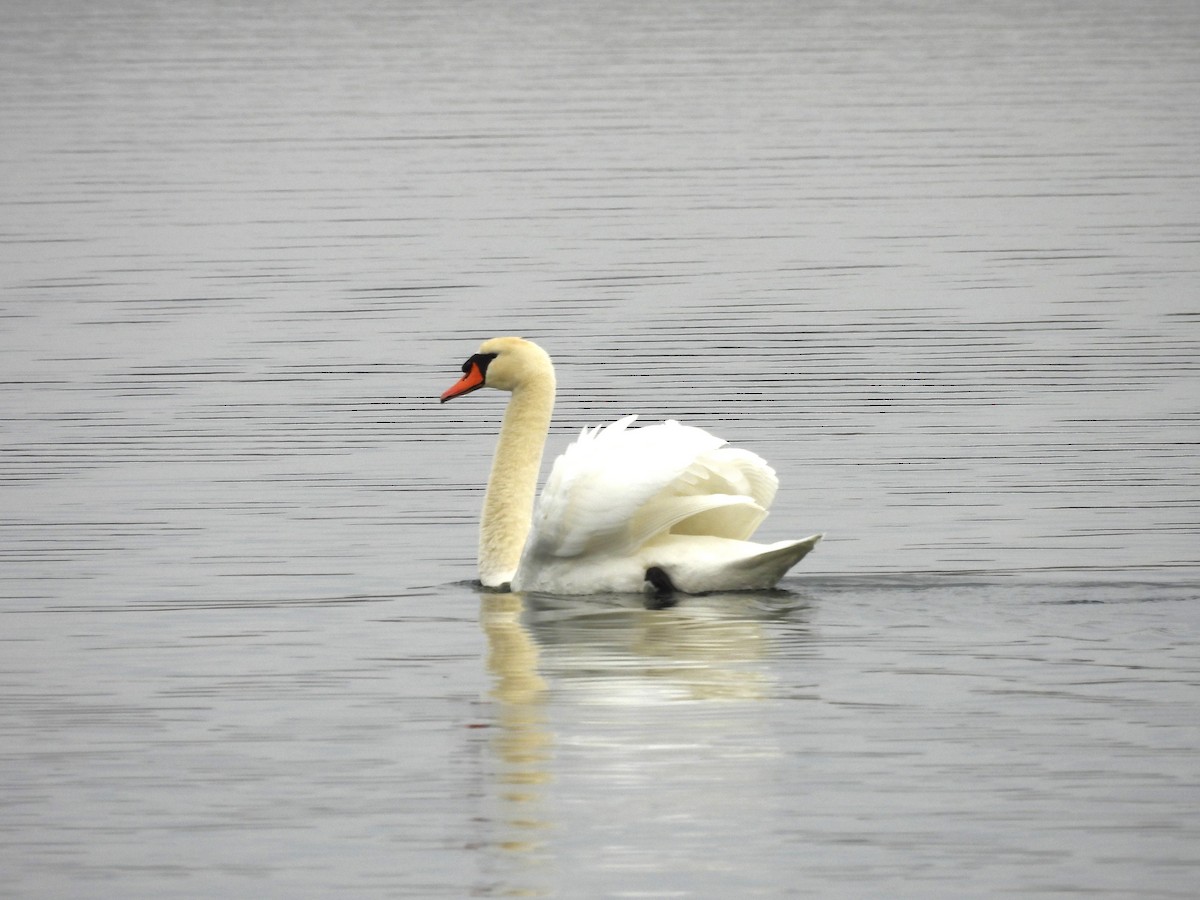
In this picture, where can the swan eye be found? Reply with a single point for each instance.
(479, 359)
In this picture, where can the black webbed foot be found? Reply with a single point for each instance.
(662, 595)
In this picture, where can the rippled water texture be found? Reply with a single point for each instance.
(939, 263)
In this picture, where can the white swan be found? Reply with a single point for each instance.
(668, 504)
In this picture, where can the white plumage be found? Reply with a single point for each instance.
(620, 500)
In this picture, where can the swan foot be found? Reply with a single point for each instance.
(662, 589)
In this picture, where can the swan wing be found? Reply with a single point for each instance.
(616, 488)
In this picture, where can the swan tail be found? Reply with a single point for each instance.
(698, 565)
(764, 569)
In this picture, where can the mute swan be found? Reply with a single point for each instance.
(667, 504)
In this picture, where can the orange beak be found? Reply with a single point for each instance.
(472, 380)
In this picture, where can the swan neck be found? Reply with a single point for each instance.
(512, 485)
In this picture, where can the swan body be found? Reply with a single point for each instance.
(620, 502)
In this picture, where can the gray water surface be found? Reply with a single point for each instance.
(938, 263)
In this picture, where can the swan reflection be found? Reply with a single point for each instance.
(522, 744)
(598, 693)
(612, 650)
(615, 651)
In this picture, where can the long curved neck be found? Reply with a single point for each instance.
(512, 485)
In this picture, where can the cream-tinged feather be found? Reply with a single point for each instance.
(524, 369)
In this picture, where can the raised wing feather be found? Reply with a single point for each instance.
(616, 488)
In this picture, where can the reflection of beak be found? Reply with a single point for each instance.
(471, 381)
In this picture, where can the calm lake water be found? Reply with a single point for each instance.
(938, 262)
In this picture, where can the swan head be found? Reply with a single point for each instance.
(504, 363)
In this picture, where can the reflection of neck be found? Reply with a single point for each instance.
(512, 485)
(512, 655)
(523, 745)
